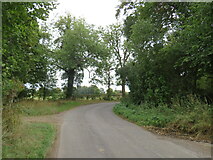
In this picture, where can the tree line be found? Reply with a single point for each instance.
(32, 54)
(161, 51)
(172, 51)
(25, 56)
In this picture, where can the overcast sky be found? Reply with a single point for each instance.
(97, 12)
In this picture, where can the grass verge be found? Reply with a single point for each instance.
(194, 122)
(32, 140)
(37, 108)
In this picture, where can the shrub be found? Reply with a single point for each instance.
(10, 120)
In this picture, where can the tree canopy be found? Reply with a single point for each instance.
(78, 47)
(172, 50)
(162, 50)
(24, 57)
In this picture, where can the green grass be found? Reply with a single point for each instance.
(36, 108)
(158, 117)
(194, 121)
(33, 140)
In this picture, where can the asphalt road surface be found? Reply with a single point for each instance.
(94, 131)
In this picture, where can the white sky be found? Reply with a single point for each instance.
(97, 12)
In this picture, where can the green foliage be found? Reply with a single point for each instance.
(10, 90)
(87, 91)
(78, 47)
(115, 58)
(188, 116)
(108, 94)
(103, 72)
(21, 36)
(10, 121)
(145, 115)
(56, 93)
(50, 93)
(32, 141)
(24, 60)
(24, 57)
(172, 50)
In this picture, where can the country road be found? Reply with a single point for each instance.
(94, 131)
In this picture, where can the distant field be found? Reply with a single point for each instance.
(36, 108)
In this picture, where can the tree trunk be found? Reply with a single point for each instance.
(71, 75)
(33, 91)
(123, 87)
(44, 93)
(108, 86)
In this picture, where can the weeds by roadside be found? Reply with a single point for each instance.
(32, 140)
(191, 117)
(36, 108)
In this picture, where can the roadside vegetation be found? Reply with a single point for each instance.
(170, 74)
(190, 119)
(162, 51)
(31, 140)
(37, 108)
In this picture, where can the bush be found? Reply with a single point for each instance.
(10, 90)
(10, 121)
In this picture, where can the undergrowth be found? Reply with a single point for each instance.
(32, 140)
(191, 116)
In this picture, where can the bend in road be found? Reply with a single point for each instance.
(94, 131)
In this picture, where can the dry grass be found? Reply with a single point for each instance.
(32, 138)
(37, 108)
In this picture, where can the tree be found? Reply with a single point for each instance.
(172, 49)
(102, 72)
(20, 43)
(117, 56)
(78, 48)
(22, 55)
(119, 49)
(84, 91)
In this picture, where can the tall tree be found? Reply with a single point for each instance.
(119, 50)
(78, 48)
(168, 40)
(102, 73)
(21, 44)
